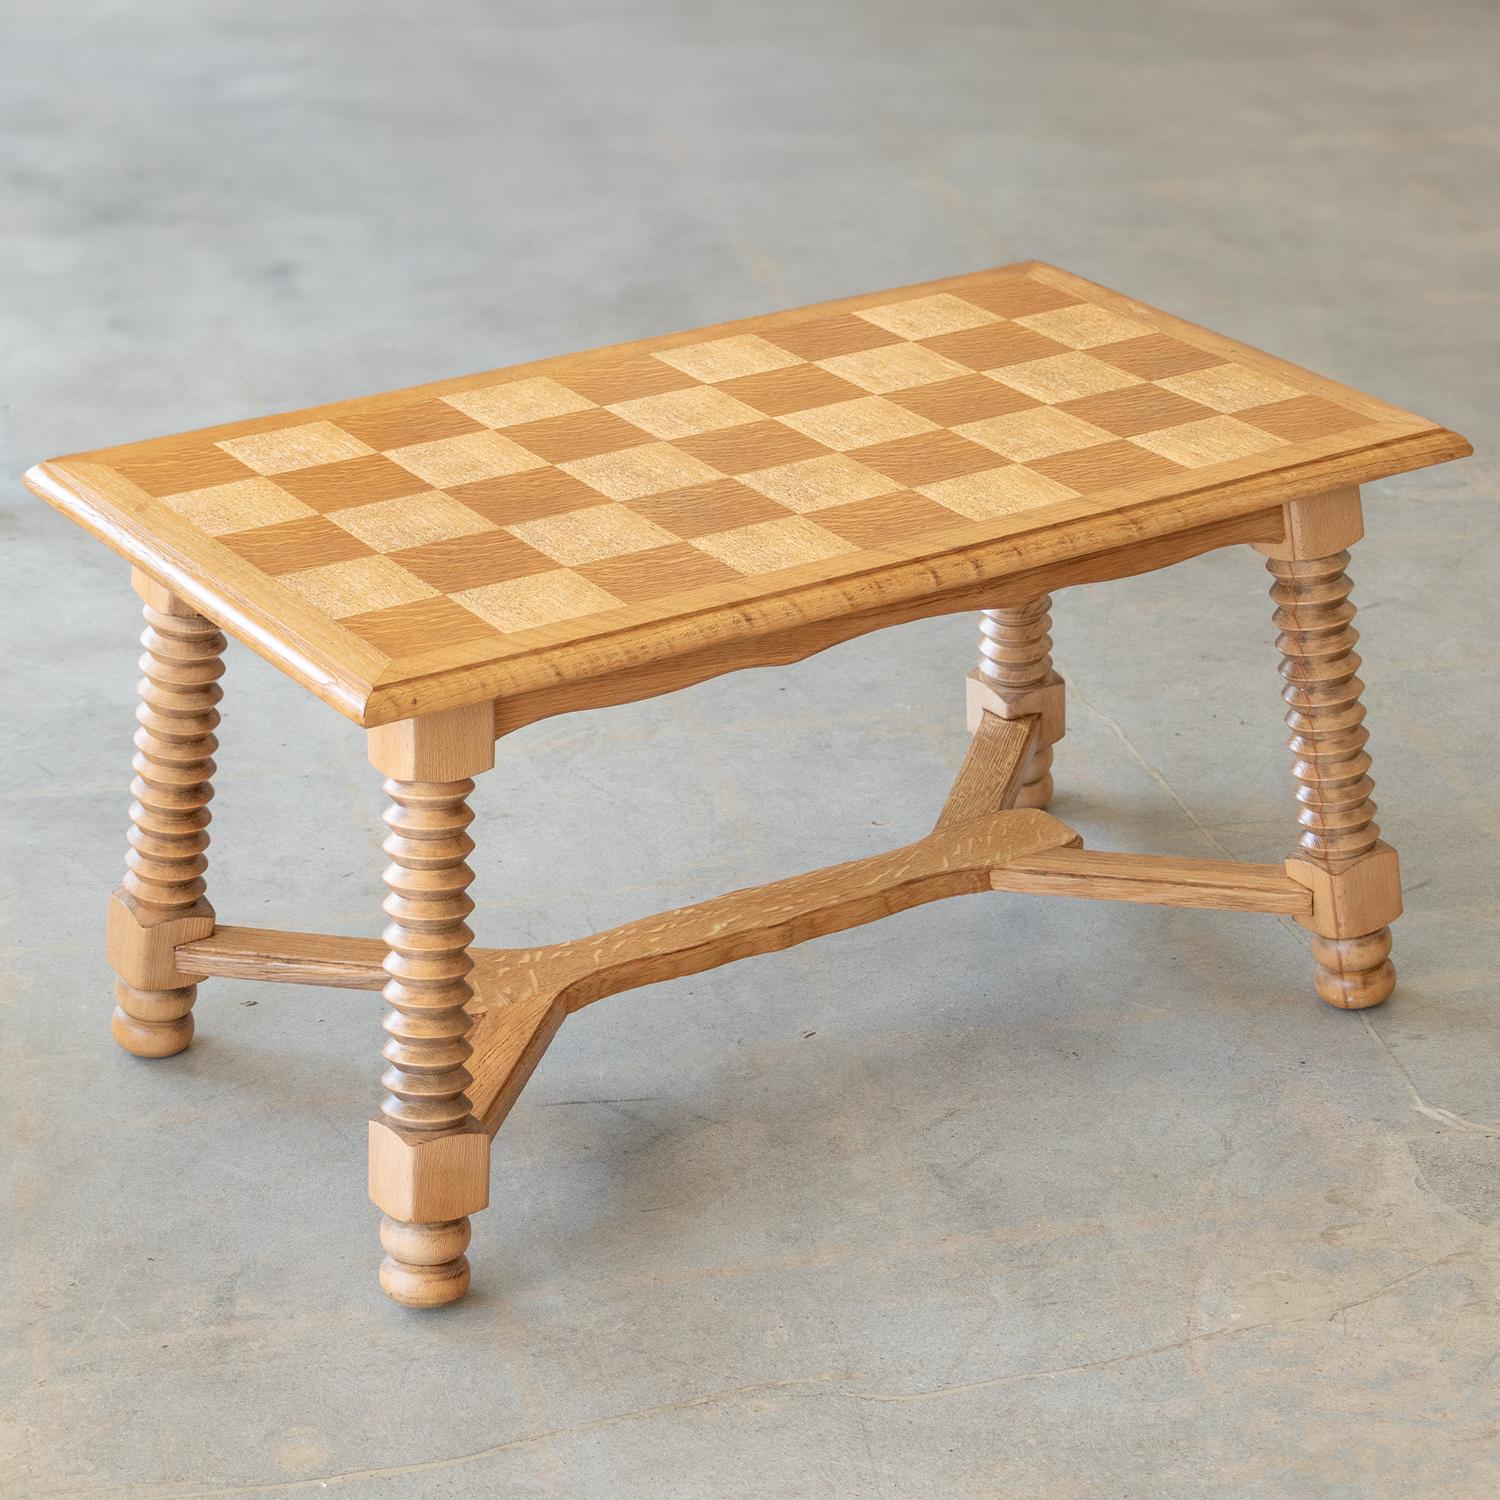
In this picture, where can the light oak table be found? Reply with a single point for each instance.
(447, 563)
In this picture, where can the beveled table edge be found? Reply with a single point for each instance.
(371, 689)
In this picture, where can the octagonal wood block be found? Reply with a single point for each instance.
(426, 1179)
(140, 943)
(1047, 702)
(1361, 897)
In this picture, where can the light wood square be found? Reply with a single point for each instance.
(1230, 387)
(357, 586)
(893, 367)
(857, 424)
(926, 317)
(1216, 440)
(1036, 432)
(518, 401)
(240, 505)
(295, 447)
(539, 599)
(685, 413)
(772, 545)
(1063, 377)
(725, 359)
(996, 492)
(812, 483)
(1085, 325)
(410, 521)
(649, 469)
(465, 460)
(585, 536)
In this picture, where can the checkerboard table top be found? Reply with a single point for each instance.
(481, 536)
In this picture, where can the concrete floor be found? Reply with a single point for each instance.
(1001, 1198)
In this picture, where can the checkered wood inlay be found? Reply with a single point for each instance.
(647, 480)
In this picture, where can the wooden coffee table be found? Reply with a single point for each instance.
(447, 563)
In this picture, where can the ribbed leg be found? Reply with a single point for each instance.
(169, 817)
(1329, 760)
(1015, 657)
(428, 962)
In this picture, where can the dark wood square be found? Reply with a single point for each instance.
(1104, 466)
(926, 458)
(1137, 408)
(422, 625)
(467, 562)
(796, 388)
(354, 481)
(409, 422)
(577, 434)
(822, 338)
(1154, 356)
(737, 450)
(967, 398)
(290, 546)
(1302, 417)
(1016, 296)
(620, 375)
(704, 508)
(525, 497)
(993, 345)
(170, 471)
(663, 570)
(887, 519)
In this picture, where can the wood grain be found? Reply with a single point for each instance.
(1000, 752)
(1015, 664)
(1325, 714)
(163, 898)
(790, 628)
(544, 985)
(1331, 763)
(427, 958)
(340, 963)
(425, 1114)
(1156, 880)
(299, 534)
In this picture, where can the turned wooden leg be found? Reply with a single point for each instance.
(429, 1157)
(1353, 876)
(162, 901)
(1015, 678)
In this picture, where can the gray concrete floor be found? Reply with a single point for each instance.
(1000, 1198)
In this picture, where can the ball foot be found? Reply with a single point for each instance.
(424, 1264)
(153, 1023)
(1037, 789)
(1354, 973)
(1035, 793)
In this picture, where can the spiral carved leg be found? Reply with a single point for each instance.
(1015, 661)
(1315, 621)
(428, 962)
(164, 885)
